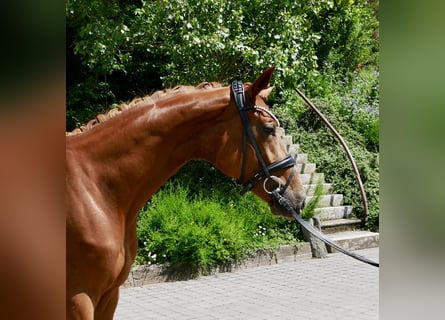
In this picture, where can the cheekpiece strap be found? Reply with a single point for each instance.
(238, 92)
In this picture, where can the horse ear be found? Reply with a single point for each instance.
(265, 93)
(261, 83)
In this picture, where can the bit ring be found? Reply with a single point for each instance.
(276, 179)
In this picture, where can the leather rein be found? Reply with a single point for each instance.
(266, 170)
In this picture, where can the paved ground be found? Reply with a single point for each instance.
(337, 287)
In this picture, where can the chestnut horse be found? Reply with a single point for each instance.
(120, 160)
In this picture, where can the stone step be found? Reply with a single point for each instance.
(333, 213)
(306, 167)
(354, 240)
(287, 140)
(293, 150)
(339, 225)
(301, 158)
(311, 178)
(310, 188)
(328, 200)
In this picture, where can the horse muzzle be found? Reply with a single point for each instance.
(296, 200)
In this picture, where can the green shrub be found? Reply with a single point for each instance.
(201, 232)
(85, 100)
(360, 105)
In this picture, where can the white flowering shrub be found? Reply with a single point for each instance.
(190, 41)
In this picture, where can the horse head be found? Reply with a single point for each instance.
(260, 160)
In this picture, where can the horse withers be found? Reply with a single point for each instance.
(117, 161)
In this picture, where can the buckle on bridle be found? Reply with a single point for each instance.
(276, 179)
(249, 185)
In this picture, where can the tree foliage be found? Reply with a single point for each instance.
(131, 47)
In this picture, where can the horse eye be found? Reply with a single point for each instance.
(269, 130)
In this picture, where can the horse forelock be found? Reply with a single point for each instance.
(149, 99)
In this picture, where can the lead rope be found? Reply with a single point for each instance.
(285, 204)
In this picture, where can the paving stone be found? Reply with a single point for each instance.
(337, 287)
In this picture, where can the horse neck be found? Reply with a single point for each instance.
(133, 154)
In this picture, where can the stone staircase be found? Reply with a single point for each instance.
(335, 219)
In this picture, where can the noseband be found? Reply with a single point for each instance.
(266, 170)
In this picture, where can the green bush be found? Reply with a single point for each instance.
(85, 100)
(199, 232)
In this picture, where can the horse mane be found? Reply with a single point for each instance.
(156, 96)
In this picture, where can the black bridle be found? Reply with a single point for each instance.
(266, 170)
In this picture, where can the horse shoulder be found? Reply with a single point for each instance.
(95, 233)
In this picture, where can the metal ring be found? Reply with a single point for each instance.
(276, 180)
